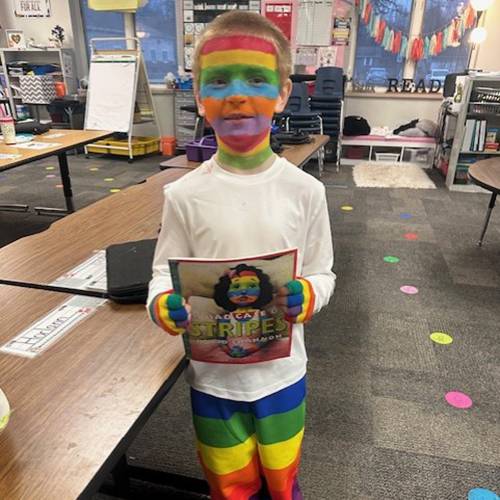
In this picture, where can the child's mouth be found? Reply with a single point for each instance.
(237, 117)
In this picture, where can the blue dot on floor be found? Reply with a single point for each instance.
(406, 215)
(482, 494)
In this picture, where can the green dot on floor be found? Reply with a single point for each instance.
(441, 338)
(50, 168)
(109, 179)
(114, 190)
(391, 259)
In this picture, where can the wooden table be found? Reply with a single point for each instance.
(297, 154)
(486, 173)
(131, 214)
(78, 405)
(70, 140)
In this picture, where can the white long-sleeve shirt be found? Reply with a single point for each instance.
(213, 213)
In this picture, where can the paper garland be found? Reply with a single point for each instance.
(418, 47)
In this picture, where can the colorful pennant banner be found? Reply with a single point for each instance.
(416, 47)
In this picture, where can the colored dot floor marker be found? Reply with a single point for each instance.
(406, 215)
(411, 236)
(441, 338)
(109, 179)
(482, 494)
(59, 185)
(458, 400)
(346, 208)
(94, 169)
(50, 168)
(390, 259)
(409, 289)
(114, 190)
(51, 176)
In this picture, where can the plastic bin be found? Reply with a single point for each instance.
(140, 146)
(201, 150)
(386, 156)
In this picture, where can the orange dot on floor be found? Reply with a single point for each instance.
(59, 185)
(411, 236)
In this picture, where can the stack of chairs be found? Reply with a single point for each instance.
(297, 115)
(328, 100)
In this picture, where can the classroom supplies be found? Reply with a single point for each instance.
(8, 129)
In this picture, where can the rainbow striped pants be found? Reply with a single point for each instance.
(251, 450)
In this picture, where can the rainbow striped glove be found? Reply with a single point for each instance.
(170, 312)
(296, 300)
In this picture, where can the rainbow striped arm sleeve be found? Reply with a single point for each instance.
(168, 311)
(300, 301)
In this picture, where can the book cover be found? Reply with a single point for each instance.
(234, 316)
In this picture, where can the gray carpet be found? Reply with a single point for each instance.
(378, 426)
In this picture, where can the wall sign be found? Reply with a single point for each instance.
(32, 8)
(281, 15)
(408, 86)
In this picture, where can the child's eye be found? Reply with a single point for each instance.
(256, 80)
(217, 82)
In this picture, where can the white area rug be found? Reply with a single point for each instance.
(391, 175)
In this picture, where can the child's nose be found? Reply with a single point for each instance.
(236, 100)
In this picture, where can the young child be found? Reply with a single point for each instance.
(249, 419)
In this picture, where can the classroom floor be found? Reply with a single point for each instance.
(378, 424)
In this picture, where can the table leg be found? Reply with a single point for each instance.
(487, 219)
(121, 478)
(68, 194)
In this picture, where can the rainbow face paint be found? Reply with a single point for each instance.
(239, 90)
(244, 290)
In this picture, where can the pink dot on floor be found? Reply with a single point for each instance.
(409, 289)
(411, 236)
(59, 185)
(458, 399)
(50, 176)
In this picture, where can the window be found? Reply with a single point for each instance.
(156, 28)
(451, 60)
(374, 65)
(101, 24)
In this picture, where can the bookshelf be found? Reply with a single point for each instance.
(476, 133)
(62, 59)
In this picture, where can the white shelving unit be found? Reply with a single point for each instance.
(469, 110)
(63, 58)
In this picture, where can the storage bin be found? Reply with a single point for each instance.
(387, 156)
(201, 150)
(37, 89)
(140, 146)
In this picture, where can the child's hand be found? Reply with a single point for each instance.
(171, 312)
(296, 300)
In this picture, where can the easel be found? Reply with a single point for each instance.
(118, 86)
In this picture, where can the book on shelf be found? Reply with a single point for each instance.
(474, 136)
(234, 318)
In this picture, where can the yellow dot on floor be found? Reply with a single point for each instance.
(94, 169)
(114, 190)
(441, 338)
(346, 208)
(109, 179)
(50, 168)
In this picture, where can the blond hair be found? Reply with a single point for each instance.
(246, 23)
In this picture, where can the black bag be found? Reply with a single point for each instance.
(31, 127)
(356, 125)
(129, 271)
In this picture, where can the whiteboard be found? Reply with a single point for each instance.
(111, 94)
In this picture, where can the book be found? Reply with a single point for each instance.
(234, 316)
(468, 135)
(491, 135)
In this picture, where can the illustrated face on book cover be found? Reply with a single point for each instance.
(239, 92)
(244, 292)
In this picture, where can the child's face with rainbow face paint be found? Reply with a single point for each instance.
(239, 92)
(244, 290)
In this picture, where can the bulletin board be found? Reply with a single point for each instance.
(315, 26)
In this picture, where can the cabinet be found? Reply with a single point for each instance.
(185, 121)
(473, 130)
(61, 60)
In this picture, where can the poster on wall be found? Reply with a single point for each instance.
(327, 56)
(341, 30)
(281, 15)
(32, 8)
